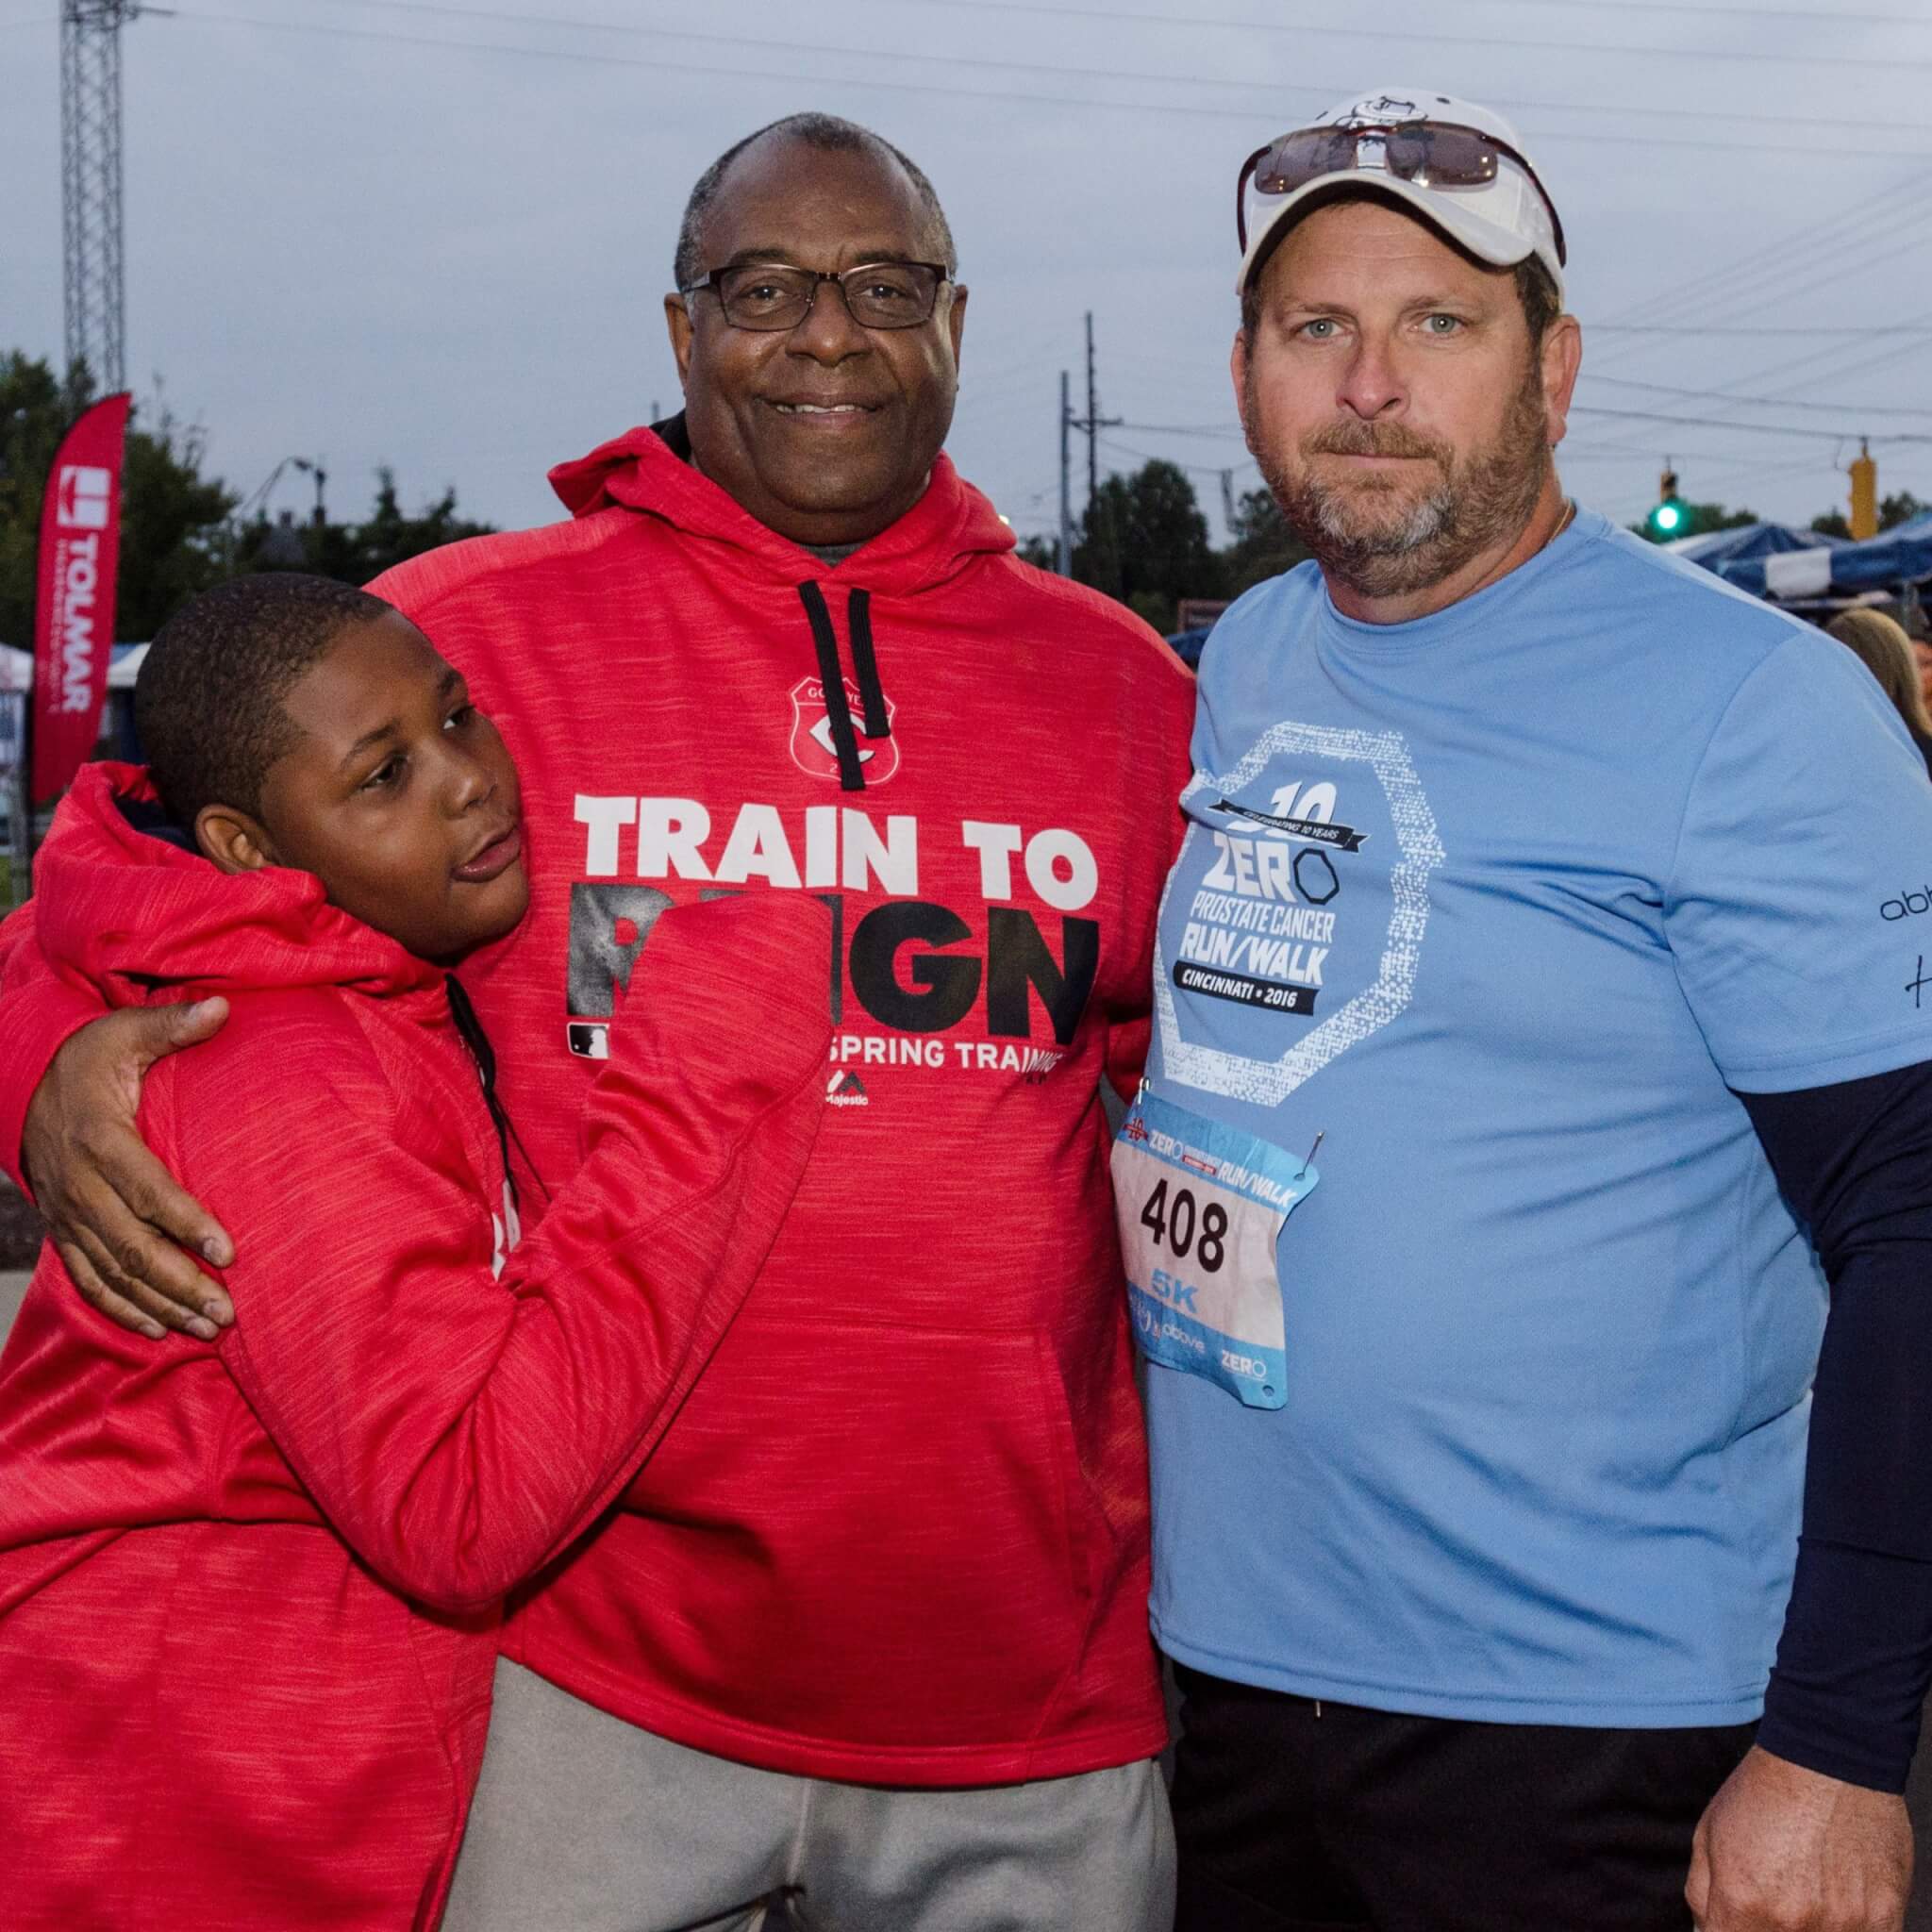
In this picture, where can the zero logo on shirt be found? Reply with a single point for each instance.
(1251, 911)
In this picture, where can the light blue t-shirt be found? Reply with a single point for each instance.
(1597, 845)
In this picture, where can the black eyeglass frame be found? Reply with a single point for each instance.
(940, 273)
(1386, 128)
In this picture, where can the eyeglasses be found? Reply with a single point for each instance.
(772, 295)
(1432, 154)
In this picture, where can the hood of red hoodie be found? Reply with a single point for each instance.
(130, 912)
(950, 526)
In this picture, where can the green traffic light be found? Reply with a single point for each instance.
(1668, 518)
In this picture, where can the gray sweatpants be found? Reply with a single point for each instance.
(585, 1823)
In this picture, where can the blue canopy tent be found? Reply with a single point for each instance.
(1835, 568)
(1748, 543)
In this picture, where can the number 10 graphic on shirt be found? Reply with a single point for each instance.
(1201, 1206)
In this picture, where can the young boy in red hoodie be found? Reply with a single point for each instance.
(300, 1536)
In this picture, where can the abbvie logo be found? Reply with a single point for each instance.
(846, 1090)
(83, 497)
(1903, 907)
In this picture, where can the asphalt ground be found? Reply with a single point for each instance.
(13, 1283)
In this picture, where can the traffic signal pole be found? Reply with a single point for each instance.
(1670, 513)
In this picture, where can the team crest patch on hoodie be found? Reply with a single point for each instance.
(812, 749)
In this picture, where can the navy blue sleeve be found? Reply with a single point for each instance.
(1854, 1162)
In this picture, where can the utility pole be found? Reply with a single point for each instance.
(91, 184)
(1094, 421)
(1065, 561)
(1092, 424)
(309, 467)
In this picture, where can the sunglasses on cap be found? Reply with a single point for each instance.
(1431, 154)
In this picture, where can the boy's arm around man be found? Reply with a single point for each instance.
(459, 1430)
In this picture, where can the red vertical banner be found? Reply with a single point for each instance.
(73, 609)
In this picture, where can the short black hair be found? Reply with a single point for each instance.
(208, 701)
(1536, 287)
(828, 134)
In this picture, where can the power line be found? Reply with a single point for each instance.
(1826, 268)
(1183, 428)
(1513, 43)
(1759, 269)
(1745, 328)
(1687, 300)
(1883, 358)
(657, 65)
(1744, 429)
(1259, 117)
(443, 8)
(1674, 8)
(1677, 8)
(1146, 456)
(1728, 395)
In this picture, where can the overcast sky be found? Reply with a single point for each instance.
(437, 236)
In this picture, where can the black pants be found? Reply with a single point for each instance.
(1296, 1817)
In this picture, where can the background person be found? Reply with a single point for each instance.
(1880, 644)
(1921, 657)
(1476, 1539)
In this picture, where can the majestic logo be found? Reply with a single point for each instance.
(812, 749)
(847, 1090)
(83, 497)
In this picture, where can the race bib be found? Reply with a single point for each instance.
(1200, 1206)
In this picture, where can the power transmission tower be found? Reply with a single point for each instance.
(91, 183)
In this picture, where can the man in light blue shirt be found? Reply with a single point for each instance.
(1547, 887)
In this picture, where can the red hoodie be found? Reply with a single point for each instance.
(899, 1533)
(217, 1706)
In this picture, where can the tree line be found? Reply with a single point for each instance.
(1143, 539)
(180, 531)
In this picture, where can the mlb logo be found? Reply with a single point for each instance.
(83, 497)
(812, 749)
(587, 1042)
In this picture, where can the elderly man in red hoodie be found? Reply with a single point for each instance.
(869, 1631)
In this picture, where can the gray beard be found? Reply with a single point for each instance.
(1478, 504)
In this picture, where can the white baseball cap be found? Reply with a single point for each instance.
(1460, 166)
